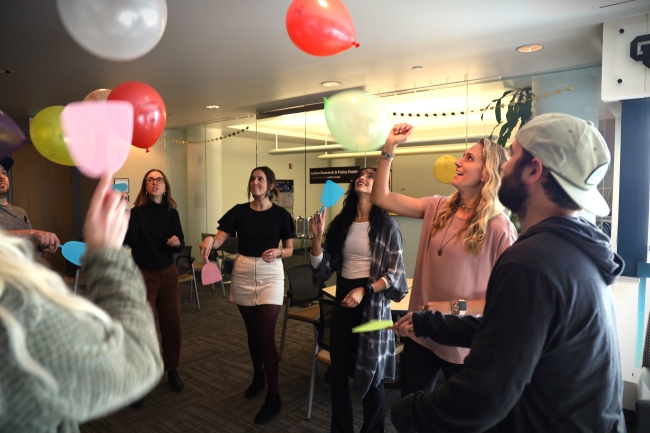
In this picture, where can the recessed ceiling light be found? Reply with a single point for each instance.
(531, 48)
(4, 71)
(211, 106)
(330, 83)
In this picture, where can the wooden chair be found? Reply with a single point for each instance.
(322, 348)
(302, 293)
(185, 266)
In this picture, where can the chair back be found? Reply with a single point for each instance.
(301, 286)
(325, 323)
(184, 260)
(231, 245)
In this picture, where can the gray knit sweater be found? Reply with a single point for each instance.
(97, 371)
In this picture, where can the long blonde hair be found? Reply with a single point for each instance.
(478, 221)
(19, 271)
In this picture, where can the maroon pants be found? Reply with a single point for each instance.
(163, 295)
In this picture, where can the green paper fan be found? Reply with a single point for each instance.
(373, 325)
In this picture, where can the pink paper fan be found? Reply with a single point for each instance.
(98, 135)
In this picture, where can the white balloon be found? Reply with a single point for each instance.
(357, 120)
(114, 29)
(98, 95)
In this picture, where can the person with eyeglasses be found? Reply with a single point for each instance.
(154, 235)
(14, 220)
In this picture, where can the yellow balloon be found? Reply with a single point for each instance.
(47, 135)
(444, 168)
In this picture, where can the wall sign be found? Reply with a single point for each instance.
(335, 174)
(640, 49)
(285, 197)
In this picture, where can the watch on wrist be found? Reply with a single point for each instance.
(369, 289)
(459, 307)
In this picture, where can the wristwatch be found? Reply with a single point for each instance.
(458, 307)
(369, 289)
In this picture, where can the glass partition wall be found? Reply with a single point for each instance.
(209, 164)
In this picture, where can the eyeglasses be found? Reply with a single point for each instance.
(158, 180)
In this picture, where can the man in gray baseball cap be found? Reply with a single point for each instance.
(545, 356)
(13, 219)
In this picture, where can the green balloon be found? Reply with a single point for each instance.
(357, 120)
(47, 135)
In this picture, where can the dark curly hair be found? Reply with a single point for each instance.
(338, 229)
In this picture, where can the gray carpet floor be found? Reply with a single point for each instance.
(216, 368)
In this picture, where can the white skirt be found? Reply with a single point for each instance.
(255, 282)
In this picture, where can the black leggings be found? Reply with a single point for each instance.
(419, 368)
(260, 324)
(343, 351)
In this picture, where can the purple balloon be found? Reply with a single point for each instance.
(11, 137)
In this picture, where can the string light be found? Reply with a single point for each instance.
(223, 137)
(462, 113)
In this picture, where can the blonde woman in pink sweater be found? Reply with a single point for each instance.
(462, 237)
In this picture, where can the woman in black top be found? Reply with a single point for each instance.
(154, 235)
(257, 284)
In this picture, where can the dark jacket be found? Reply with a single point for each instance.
(545, 355)
(149, 228)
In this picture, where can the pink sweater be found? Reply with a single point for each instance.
(455, 274)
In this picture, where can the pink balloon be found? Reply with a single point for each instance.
(98, 135)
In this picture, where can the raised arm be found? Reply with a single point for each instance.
(100, 368)
(381, 195)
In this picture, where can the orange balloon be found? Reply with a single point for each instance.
(320, 27)
(149, 113)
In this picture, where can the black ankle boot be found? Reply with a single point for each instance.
(256, 386)
(270, 408)
(175, 381)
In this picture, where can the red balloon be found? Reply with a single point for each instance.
(149, 113)
(320, 27)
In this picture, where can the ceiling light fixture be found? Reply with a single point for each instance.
(330, 84)
(530, 48)
(4, 71)
(417, 67)
(211, 106)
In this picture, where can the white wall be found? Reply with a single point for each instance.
(138, 163)
(175, 168)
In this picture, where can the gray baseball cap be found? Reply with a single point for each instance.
(574, 152)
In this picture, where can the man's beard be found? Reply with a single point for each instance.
(512, 193)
